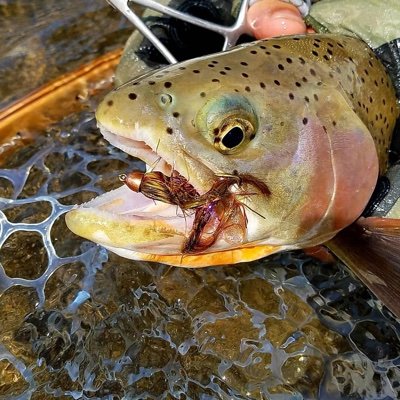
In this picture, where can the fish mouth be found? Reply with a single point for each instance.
(139, 145)
(128, 222)
(137, 227)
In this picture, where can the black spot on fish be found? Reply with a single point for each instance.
(302, 61)
(222, 72)
(132, 96)
(167, 85)
(315, 53)
(253, 52)
(316, 97)
(291, 96)
(175, 114)
(182, 68)
(202, 94)
(110, 103)
(312, 72)
(277, 82)
(262, 85)
(329, 51)
(306, 99)
(211, 65)
(305, 121)
(298, 84)
(215, 80)
(276, 46)
(245, 75)
(281, 67)
(262, 47)
(334, 123)
(289, 60)
(214, 62)
(227, 68)
(152, 83)
(247, 89)
(196, 71)
(216, 131)
(169, 130)
(315, 44)
(244, 63)
(304, 79)
(268, 53)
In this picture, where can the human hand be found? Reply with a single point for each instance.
(268, 18)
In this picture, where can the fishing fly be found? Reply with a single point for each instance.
(219, 211)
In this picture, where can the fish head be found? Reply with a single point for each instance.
(215, 117)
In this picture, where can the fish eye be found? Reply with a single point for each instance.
(232, 134)
(233, 137)
(229, 122)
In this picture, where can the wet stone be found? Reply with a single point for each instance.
(206, 300)
(68, 181)
(23, 255)
(12, 383)
(323, 339)
(106, 343)
(80, 197)
(259, 295)
(15, 303)
(63, 285)
(153, 353)
(225, 336)
(108, 183)
(296, 309)
(107, 166)
(36, 179)
(278, 330)
(155, 384)
(59, 163)
(30, 213)
(23, 154)
(6, 188)
(378, 341)
(118, 280)
(303, 371)
(355, 377)
(178, 284)
(200, 366)
(49, 334)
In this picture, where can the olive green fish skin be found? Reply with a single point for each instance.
(294, 65)
(311, 116)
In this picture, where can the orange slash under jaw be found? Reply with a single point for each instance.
(228, 257)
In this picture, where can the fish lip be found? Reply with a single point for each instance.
(155, 160)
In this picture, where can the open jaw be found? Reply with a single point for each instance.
(137, 227)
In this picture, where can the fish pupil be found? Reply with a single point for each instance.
(233, 138)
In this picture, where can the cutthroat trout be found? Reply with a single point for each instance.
(310, 118)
